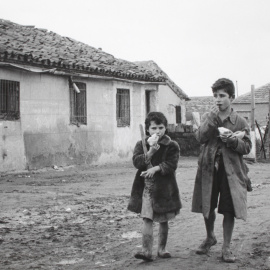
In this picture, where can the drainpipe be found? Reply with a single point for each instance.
(75, 87)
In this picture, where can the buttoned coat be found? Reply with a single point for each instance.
(166, 196)
(207, 135)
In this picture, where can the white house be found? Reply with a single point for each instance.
(64, 102)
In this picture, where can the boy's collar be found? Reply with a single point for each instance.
(232, 117)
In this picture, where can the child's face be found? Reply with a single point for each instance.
(222, 99)
(158, 129)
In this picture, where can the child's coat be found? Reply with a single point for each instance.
(166, 196)
(234, 165)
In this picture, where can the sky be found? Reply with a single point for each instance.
(195, 42)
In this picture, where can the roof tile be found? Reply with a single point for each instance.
(45, 48)
(151, 67)
(261, 95)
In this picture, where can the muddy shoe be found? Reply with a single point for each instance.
(141, 255)
(206, 245)
(164, 254)
(227, 256)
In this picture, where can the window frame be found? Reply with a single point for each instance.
(178, 114)
(9, 100)
(78, 104)
(123, 107)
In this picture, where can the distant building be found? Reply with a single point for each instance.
(200, 105)
(242, 104)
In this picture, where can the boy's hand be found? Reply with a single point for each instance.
(214, 114)
(239, 134)
(226, 139)
(214, 111)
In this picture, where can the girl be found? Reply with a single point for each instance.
(155, 193)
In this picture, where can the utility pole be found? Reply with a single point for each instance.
(269, 124)
(236, 89)
(252, 108)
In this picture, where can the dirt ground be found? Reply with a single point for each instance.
(75, 218)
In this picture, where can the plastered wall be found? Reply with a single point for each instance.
(44, 136)
(167, 102)
(261, 111)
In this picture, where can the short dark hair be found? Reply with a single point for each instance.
(225, 84)
(158, 118)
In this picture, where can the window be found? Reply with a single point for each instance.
(147, 102)
(122, 107)
(78, 104)
(178, 114)
(9, 100)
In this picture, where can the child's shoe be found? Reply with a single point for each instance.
(227, 256)
(147, 244)
(143, 256)
(162, 241)
(164, 254)
(206, 245)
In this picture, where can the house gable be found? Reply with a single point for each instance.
(155, 69)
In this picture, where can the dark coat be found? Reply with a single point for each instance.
(235, 168)
(166, 196)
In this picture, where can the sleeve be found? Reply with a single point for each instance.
(139, 159)
(243, 146)
(172, 156)
(208, 125)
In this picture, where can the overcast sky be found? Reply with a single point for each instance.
(194, 41)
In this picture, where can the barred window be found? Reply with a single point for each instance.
(122, 107)
(78, 104)
(9, 100)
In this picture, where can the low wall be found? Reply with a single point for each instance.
(189, 146)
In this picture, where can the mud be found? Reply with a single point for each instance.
(76, 218)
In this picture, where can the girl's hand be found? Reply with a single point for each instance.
(152, 150)
(150, 172)
(153, 140)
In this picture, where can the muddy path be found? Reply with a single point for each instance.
(76, 218)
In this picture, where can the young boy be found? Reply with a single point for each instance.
(221, 170)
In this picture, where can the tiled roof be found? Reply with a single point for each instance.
(261, 95)
(200, 104)
(151, 65)
(38, 47)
